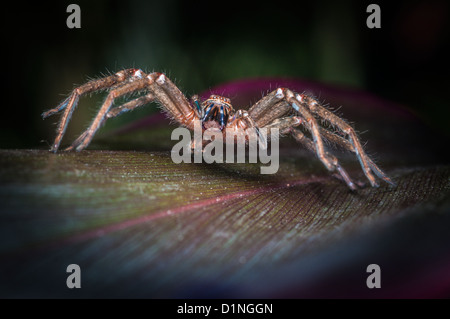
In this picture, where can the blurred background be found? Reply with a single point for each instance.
(203, 44)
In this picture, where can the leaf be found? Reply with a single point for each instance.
(140, 225)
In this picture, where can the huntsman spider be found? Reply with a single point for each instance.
(281, 108)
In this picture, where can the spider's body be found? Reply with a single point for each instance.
(281, 109)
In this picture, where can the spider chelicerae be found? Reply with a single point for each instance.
(281, 108)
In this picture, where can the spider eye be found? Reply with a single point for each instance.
(220, 99)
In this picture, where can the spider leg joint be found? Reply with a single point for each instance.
(161, 79)
(280, 93)
(121, 75)
(299, 98)
(139, 74)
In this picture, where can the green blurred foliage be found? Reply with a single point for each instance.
(201, 44)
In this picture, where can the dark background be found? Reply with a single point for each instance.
(202, 44)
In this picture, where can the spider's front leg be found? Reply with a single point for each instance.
(70, 103)
(156, 86)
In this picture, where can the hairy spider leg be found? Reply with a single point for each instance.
(69, 104)
(85, 138)
(315, 107)
(158, 88)
(270, 107)
(276, 104)
(288, 124)
(284, 124)
(310, 123)
(242, 120)
(169, 96)
(131, 105)
(346, 144)
(126, 107)
(172, 100)
(301, 138)
(264, 112)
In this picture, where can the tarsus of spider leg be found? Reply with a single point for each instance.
(339, 140)
(64, 121)
(346, 177)
(57, 109)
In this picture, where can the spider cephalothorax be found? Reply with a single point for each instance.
(282, 109)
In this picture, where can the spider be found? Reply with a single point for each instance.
(281, 108)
